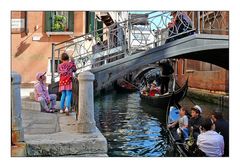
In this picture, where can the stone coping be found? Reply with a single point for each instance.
(66, 144)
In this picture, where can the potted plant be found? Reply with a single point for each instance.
(59, 23)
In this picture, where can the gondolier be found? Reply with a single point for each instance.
(166, 72)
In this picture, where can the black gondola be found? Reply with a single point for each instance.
(183, 148)
(163, 100)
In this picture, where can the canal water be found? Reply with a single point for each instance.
(134, 128)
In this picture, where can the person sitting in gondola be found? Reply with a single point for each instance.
(195, 120)
(182, 123)
(209, 141)
(154, 90)
(145, 90)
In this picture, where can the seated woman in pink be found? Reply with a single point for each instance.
(65, 70)
(47, 101)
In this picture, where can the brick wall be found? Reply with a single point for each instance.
(216, 79)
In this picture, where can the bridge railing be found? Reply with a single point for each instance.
(137, 34)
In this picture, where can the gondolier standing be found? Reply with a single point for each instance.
(166, 72)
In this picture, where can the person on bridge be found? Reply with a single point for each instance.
(179, 24)
(65, 70)
(41, 94)
(166, 72)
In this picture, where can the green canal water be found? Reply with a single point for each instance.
(134, 128)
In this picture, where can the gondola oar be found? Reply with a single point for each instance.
(131, 84)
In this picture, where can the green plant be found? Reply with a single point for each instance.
(59, 23)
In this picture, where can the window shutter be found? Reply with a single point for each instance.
(100, 26)
(71, 21)
(48, 20)
(92, 20)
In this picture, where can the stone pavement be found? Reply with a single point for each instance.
(55, 134)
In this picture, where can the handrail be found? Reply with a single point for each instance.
(135, 38)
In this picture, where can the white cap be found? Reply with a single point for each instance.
(196, 107)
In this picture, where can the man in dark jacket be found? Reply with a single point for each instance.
(222, 127)
(195, 120)
(166, 71)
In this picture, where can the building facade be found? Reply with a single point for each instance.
(32, 35)
(34, 32)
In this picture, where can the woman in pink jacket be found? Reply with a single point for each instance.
(42, 95)
(65, 70)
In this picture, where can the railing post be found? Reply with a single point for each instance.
(198, 21)
(202, 22)
(16, 110)
(193, 18)
(86, 122)
(53, 63)
(125, 40)
(129, 35)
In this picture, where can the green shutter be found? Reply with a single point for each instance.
(48, 21)
(100, 32)
(92, 19)
(71, 21)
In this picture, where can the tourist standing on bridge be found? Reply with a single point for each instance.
(166, 72)
(41, 94)
(179, 24)
(65, 70)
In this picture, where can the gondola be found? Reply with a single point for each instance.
(181, 147)
(163, 100)
(125, 86)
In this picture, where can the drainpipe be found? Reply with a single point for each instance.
(26, 28)
(53, 63)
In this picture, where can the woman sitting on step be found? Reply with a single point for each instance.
(47, 101)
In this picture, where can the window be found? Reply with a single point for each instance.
(56, 63)
(90, 18)
(141, 36)
(59, 21)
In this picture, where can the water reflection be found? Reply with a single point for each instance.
(134, 128)
(130, 131)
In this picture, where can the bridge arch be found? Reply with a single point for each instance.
(203, 47)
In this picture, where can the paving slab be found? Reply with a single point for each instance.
(55, 134)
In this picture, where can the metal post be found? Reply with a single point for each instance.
(193, 25)
(53, 63)
(198, 21)
(202, 22)
(129, 35)
(125, 40)
(86, 122)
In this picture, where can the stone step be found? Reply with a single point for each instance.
(28, 104)
(66, 144)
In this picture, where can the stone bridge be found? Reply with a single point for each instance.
(209, 48)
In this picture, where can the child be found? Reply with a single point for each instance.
(42, 95)
(183, 124)
(66, 70)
